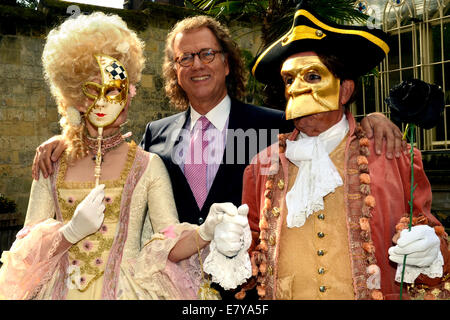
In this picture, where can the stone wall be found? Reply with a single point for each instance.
(28, 113)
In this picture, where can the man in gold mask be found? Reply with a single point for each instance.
(324, 211)
(310, 86)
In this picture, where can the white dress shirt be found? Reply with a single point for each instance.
(216, 135)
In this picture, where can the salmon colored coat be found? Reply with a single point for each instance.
(264, 191)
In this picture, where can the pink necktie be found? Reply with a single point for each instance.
(195, 165)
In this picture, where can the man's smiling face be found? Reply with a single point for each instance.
(204, 84)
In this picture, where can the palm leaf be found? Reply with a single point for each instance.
(278, 15)
(203, 4)
(339, 11)
(229, 9)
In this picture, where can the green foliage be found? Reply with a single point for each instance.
(254, 89)
(277, 16)
(230, 8)
(7, 205)
(339, 11)
(8, 2)
(366, 78)
(32, 4)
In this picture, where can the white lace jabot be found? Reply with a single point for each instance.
(317, 176)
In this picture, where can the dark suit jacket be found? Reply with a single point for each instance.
(161, 137)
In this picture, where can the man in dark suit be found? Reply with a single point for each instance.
(245, 126)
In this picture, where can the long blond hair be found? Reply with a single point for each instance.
(235, 80)
(68, 61)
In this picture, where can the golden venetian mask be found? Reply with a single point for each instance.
(309, 87)
(110, 97)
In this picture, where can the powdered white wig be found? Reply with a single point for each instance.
(68, 61)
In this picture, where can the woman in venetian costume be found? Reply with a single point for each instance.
(104, 225)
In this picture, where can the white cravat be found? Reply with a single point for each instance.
(317, 176)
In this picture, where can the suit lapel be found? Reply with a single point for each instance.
(188, 210)
(175, 128)
(235, 120)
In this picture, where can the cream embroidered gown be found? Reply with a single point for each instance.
(125, 259)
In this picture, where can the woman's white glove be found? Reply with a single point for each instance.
(88, 216)
(215, 216)
(421, 244)
(229, 234)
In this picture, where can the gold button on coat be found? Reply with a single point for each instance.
(272, 240)
(276, 211)
(321, 270)
(322, 288)
(321, 216)
(281, 184)
(320, 252)
(321, 234)
(270, 270)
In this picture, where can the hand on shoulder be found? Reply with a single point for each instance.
(47, 153)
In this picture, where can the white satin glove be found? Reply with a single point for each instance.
(88, 216)
(421, 245)
(215, 216)
(229, 234)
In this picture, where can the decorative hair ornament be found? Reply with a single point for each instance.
(132, 90)
(73, 116)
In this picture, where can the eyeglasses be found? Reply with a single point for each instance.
(205, 55)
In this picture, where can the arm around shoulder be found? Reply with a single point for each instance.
(47, 153)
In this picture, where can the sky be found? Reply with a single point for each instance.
(103, 3)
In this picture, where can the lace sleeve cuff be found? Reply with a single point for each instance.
(229, 272)
(435, 270)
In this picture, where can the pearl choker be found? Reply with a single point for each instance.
(108, 143)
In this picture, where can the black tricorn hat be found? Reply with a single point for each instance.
(359, 48)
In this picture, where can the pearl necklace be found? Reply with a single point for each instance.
(108, 143)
